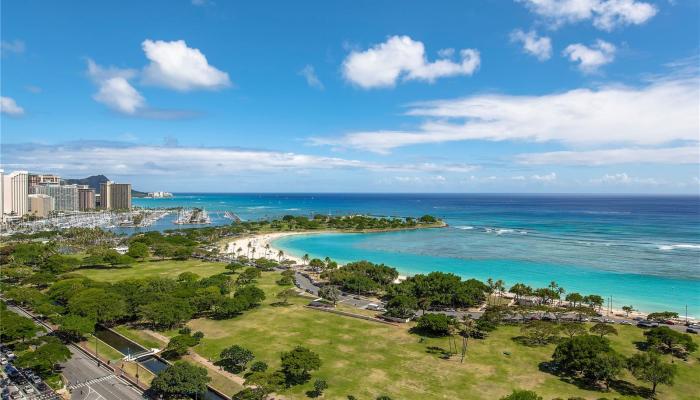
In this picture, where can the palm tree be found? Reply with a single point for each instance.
(491, 287)
(267, 250)
(466, 330)
(500, 286)
(239, 251)
(249, 246)
(280, 254)
(561, 291)
(305, 259)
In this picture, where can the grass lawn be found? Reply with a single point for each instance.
(368, 359)
(140, 337)
(154, 267)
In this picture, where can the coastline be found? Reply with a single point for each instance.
(260, 241)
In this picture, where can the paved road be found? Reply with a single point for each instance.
(87, 381)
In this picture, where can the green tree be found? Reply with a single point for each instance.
(138, 250)
(574, 298)
(330, 293)
(649, 367)
(45, 358)
(75, 327)
(628, 310)
(167, 312)
(259, 366)
(235, 358)
(539, 332)
(401, 306)
(181, 379)
(602, 329)
(572, 329)
(522, 395)
(285, 294)
(319, 386)
(97, 304)
(298, 363)
(667, 340)
(589, 356)
(14, 327)
(662, 316)
(434, 324)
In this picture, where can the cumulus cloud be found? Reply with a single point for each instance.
(114, 89)
(402, 58)
(9, 106)
(122, 158)
(176, 66)
(605, 14)
(590, 59)
(538, 46)
(15, 46)
(309, 74)
(666, 155)
(623, 178)
(545, 178)
(655, 113)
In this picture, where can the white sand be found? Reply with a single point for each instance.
(259, 243)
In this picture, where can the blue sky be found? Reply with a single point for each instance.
(357, 96)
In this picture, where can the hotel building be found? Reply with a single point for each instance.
(65, 196)
(115, 196)
(15, 193)
(86, 198)
(41, 205)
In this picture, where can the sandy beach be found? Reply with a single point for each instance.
(258, 248)
(258, 245)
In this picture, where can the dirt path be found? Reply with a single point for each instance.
(198, 358)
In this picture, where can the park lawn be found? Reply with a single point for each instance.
(141, 337)
(154, 267)
(367, 359)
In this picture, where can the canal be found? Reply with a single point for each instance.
(129, 347)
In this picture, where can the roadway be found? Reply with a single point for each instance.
(84, 378)
(87, 381)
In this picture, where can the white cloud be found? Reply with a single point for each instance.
(15, 46)
(545, 178)
(623, 178)
(9, 106)
(176, 66)
(123, 158)
(400, 57)
(668, 155)
(309, 74)
(590, 59)
(605, 14)
(114, 89)
(660, 112)
(538, 46)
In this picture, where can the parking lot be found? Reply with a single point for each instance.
(21, 384)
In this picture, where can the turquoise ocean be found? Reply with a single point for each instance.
(642, 251)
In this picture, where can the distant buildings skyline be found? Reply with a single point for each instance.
(39, 195)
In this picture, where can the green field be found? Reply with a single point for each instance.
(367, 359)
(154, 267)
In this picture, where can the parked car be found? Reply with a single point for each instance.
(625, 323)
(692, 330)
(669, 322)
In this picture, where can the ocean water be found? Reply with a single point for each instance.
(641, 250)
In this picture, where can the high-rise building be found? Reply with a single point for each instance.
(41, 205)
(43, 179)
(65, 196)
(15, 196)
(115, 196)
(86, 198)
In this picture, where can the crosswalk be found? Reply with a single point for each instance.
(90, 382)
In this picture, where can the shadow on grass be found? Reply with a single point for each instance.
(105, 267)
(529, 342)
(280, 304)
(623, 387)
(439, 351)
